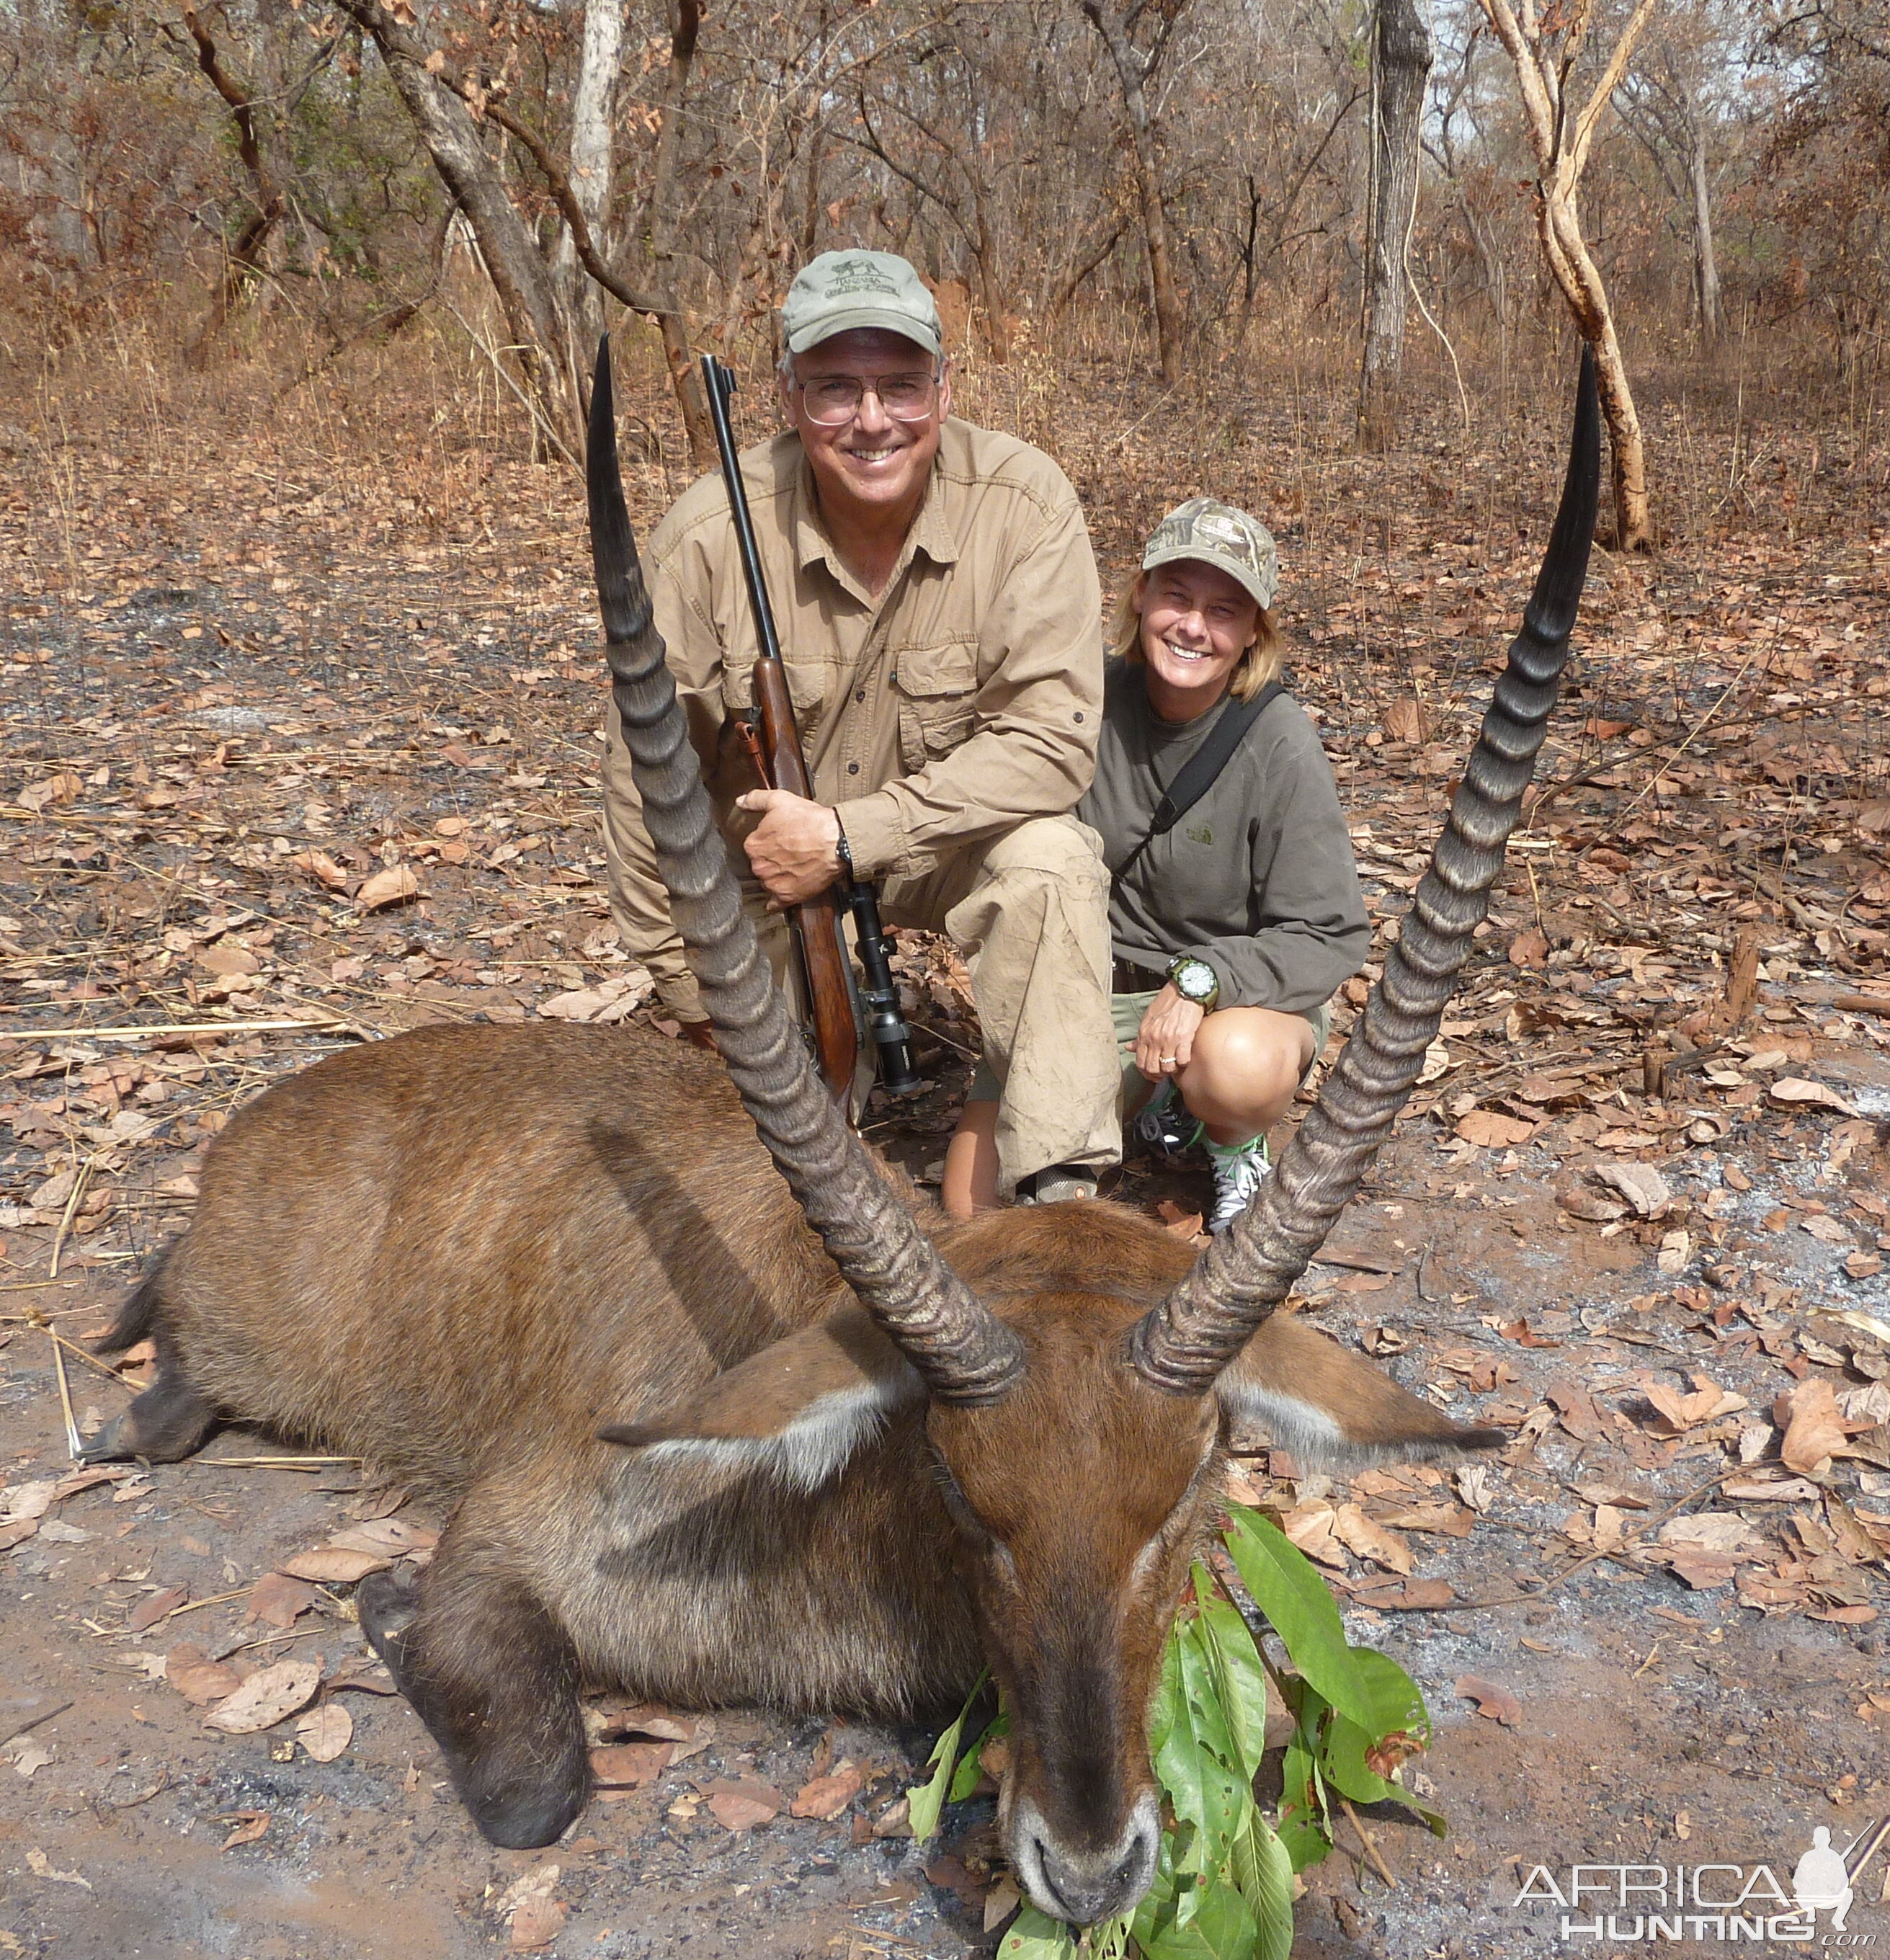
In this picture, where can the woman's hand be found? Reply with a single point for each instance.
(1165, 1042)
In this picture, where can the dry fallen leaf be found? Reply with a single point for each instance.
(538, 1921)
(1722, 1531)
(1493, 1130)
(1498, 1704)
(325, 1732)
(741, 1805)
(328, 1565)
(539, 1883)
(1814, 1432)
(1404, 720)
(267, 1698)
(27, 1500)
(278, 1599)
(1359, 1534)
(40, 1865)
(1385, 1594)
(1641, 1184)
(394, 886)
(826, 1797)
(148, 1612)
(198, 1678)
(1000, 1902)
(393, 1538)
(250, 1825)
(322, 868)
(629, 1765)
(1182, 1224)
(1309, 1526)
(1797, 1089)
(1701, 1570)
(1707, 1402)
(1452, 1520)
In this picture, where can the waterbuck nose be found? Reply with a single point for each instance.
(1084, 1886)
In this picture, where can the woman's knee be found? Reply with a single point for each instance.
(1250, 1054)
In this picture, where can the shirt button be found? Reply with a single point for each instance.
(1079, 714)
(859, 694)
(853, 769)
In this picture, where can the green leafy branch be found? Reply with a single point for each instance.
(1223, 1883)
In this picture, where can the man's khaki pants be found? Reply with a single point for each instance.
(1028, 912)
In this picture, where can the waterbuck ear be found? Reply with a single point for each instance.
(799, 1408)
(1327, 1406)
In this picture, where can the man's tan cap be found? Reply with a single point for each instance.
(841, 291)
(1216, 533)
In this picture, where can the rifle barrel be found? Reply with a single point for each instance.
(718, 380)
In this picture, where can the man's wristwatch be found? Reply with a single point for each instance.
(1194, 980)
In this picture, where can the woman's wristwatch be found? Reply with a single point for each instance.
(1194, 980)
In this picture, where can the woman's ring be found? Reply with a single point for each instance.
(1168, 1061)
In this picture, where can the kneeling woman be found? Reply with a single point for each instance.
(1233, 928)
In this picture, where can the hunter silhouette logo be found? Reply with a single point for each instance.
(1825, 1881)
(1820, 1884)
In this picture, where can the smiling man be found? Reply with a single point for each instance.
(938, 608)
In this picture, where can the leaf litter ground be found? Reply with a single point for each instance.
(300, 714)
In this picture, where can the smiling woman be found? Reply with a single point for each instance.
(1232, 922)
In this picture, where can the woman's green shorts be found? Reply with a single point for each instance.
(1127, 1010)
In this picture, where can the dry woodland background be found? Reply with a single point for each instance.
(301, 698)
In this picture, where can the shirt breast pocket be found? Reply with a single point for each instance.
(937, 688)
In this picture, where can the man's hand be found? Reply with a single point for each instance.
(793, 850)
(1165, 1042)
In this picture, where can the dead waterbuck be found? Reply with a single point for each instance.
(721, 1430)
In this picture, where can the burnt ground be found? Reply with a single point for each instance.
(300, 718)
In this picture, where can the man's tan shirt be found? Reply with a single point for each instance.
(964, 700)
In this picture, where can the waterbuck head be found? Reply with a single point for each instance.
(1069, 1373)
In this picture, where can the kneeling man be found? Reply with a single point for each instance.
(940, 621)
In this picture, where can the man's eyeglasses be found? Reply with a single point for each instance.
(835, 399)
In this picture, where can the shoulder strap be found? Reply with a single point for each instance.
(1196, 776)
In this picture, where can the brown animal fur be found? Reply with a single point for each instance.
(464, 1253)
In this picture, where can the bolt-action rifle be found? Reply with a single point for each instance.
(774, 750)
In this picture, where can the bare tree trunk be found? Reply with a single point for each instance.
(534, 318)
(1544, 58)
(1133, 69)
(241, 256)
(659, 231)
(1706, 270)
(1401, 55)
(992, 294)
(591, 158)
(1090, 254)
(1580, 280)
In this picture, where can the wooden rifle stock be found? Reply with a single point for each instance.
(819, 949)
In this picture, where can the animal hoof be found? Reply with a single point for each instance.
(111, 1445)
(525, 1821)
(386, 1608)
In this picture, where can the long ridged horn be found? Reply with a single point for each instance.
(1182, 1345)
(965, 1354)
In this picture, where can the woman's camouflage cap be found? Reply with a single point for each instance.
(1217, 534)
